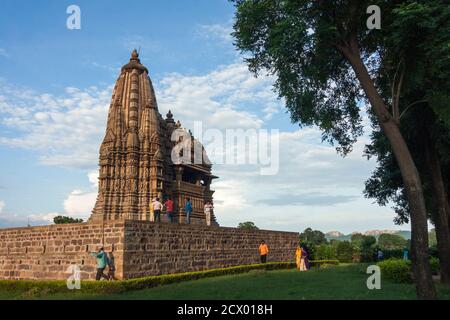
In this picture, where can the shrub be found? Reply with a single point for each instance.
(433, 251)
(344, 251)
(392, 253)
(325, 252)
(398, 270)
(434, 264)
(391, 241)
(32, 288)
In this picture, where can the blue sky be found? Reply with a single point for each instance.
(55, 86)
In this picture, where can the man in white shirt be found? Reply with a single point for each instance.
(157, 207)
(208, 211)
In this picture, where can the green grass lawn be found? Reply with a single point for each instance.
(341, 282)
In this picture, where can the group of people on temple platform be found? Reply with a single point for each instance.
(167, 207)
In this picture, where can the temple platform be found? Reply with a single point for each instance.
(140, 248)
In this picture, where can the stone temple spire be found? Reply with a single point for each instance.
(133, 126)
(135, 156)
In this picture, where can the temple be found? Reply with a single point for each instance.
(137, 162)
(142, 156)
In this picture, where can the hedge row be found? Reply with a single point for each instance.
(57, 286)
(323, 263)
(54, 286)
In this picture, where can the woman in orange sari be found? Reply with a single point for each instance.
(298, 257)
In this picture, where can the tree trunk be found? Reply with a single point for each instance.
(440, 203)
(411, 179)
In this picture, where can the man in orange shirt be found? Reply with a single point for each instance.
(263, 251)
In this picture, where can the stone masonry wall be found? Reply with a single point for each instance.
(140, 248)
(46, 252)
(153, 249)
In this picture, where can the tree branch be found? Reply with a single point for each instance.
(396, 92)
(410, 105)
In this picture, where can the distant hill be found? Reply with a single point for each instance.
(336, 235)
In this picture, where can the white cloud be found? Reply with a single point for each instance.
(43, 218)
(79, 203)
(229, 97)
(216, 31)
(67, 130)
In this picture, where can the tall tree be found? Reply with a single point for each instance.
(386, 185)
(64, 220)
(418, 52)
(319, 51)
(313, 237)
(248, 225)
(391, 241)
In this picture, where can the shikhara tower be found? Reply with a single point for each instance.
(135, 156)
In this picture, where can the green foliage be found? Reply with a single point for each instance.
(432, 240)
(434, 252)
(64, 219)
(40, 287)
(434, 264)
(393, 253)
(324, 264)
(365, 245)
(248, 225)
(344, 251)
(312, 237)
(311, 74)
(341, 282)
(391, 241)
(397, 270)
(418, 45)
(325, 252)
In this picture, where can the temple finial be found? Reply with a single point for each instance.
(134, 55)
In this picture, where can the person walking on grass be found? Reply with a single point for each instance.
(263, 251)
(101, 263)
(405, 254)
(111, 267)
(169, 209)
(188, 210)
(304, 262)
(208, 211)
(157, 207)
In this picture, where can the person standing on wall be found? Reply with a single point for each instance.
(169, 209)
(188, 210)
(208, 209)
(263, 251)
(157, 207)
(101, 263)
